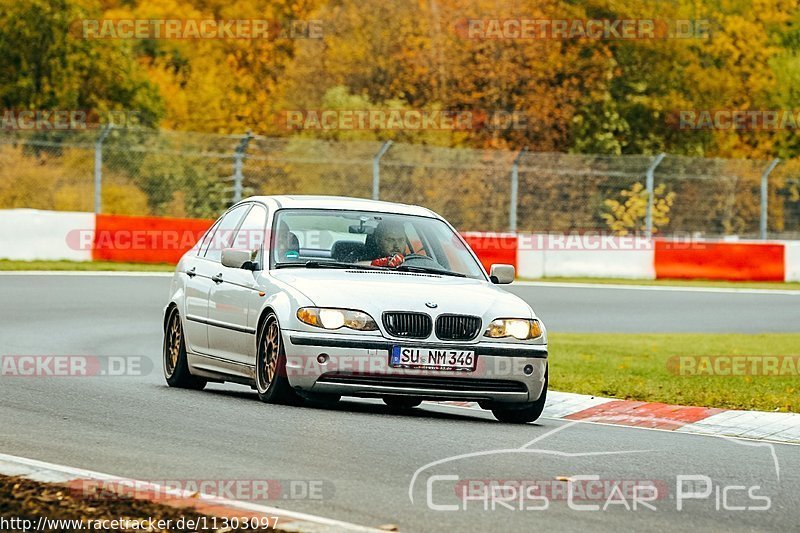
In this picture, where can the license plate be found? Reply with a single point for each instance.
(432, 358)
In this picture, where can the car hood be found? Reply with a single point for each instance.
(378, 291)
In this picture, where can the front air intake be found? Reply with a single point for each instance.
(457, 327)
(407, 325)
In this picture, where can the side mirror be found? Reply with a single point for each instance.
(501, 274)
(233, 258)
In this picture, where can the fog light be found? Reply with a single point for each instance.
(528, 370)
(322, 358)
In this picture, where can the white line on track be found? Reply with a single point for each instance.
(13, 465)
(665, 288)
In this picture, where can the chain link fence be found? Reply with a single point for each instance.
(181, 174)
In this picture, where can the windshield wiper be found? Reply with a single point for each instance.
(428, 270)
(343, 265)
(324, 264)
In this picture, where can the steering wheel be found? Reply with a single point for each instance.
(412, 257)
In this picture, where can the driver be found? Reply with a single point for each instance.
(390, 241)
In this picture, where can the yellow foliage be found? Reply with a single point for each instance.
(62, 182)
(36, 180)
(124, 199)
(78, 197)
(629, 215)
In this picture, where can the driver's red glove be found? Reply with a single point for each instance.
(394, 261)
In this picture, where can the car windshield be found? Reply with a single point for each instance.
(354, 239)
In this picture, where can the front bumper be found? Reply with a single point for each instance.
(358, 365)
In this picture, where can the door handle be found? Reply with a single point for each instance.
(217, 278)
(192, 272)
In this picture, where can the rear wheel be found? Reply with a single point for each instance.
(400, 403)
(319, 398)
(176, 367)
(528, 412)
(272, 384)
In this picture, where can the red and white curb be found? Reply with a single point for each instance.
(776, 427)
(202, 503)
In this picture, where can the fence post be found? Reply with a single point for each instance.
(651, 193)
(376, 170)
(98, 169)
(764, 197)
(512, 208)
(238, 163)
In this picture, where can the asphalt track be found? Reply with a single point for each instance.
(366, 456)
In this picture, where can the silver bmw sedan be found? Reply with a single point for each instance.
(314, 298)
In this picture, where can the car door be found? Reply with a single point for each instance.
(196, 289)
(229, 335)
(200, 271)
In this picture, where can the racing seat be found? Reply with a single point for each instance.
(294, 243)
(347, 251)
(371, 250)
(292, 250)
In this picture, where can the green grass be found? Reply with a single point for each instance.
(635, 367)
(677, 282)
(6, 264)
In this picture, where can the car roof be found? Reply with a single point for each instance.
(341, 202)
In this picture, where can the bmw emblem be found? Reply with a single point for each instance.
(431, 305)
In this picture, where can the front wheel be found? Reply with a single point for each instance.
(529, 412)
(176, 367)
(272, 384)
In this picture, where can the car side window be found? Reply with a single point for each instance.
(251, 233)
(224, 232)
(202, 246)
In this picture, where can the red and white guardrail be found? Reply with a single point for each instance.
(603, 256)
(29, 234)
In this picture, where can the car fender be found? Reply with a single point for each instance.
(176, 296)
(283, 305)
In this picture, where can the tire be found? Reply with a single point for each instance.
(319, 398)
(529, 412)
(176, 366)
(401, 403)
(272, 384)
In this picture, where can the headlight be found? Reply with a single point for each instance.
(519, 328)
(328, 318)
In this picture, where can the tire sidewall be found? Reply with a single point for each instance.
(181, 375)
(529, 412)
(165, 349)
(279, 388)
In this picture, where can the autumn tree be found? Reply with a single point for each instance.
(47, 66)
